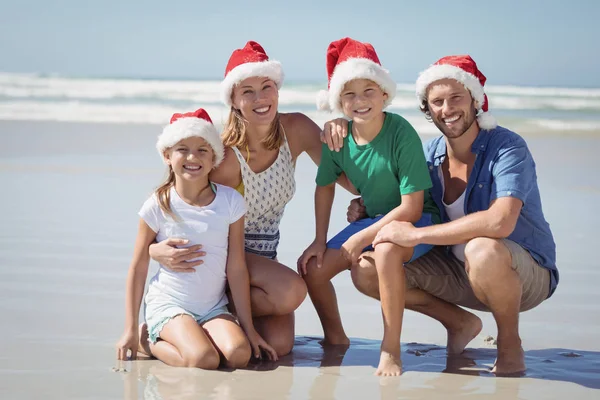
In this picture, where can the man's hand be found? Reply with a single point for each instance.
(356, 210)
(398, 232)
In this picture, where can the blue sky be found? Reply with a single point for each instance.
(521, 42)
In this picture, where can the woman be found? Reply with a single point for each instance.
(262, 146)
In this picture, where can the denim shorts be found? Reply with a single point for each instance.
(338, 240)
(164, 313)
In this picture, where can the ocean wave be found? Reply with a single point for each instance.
(73, 111)
(178, 92)
(564, 125)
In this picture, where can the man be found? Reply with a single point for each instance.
(494, 250)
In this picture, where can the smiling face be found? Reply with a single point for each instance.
(362, 100)
(257, 99)
(191, 158)
(451, 107)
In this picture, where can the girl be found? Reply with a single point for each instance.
(188, 324)
(262, 148)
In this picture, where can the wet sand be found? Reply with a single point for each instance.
(70, 197)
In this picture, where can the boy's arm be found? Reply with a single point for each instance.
(324, 196)
(136, 279)
(413, 177)
(410, 210)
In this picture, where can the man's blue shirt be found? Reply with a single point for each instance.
(503, 167)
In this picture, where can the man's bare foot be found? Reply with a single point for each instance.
(467, 328)
(510, 361)
(389, 365)
(144, 345)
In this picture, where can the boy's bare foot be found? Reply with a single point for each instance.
(466, 330)
(389, 365)
(511, 359)
(144, 345)
(340, 340)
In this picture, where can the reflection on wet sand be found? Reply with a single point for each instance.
(326, 372)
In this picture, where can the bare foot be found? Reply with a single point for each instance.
(510, 361)
(335, 341)
(144, 345)
(389, 365)
(466, 330)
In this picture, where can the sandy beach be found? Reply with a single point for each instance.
(71, 192)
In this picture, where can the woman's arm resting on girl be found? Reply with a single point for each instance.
(168, 255)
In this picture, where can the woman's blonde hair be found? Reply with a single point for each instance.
(235, 135)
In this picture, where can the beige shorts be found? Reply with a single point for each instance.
(444, 276)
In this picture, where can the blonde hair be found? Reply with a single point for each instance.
(235, 131)
(163, 193)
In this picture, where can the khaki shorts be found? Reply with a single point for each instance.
(444, 276)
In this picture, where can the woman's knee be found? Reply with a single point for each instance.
(291, 294)
(206, 358)
(282, 344)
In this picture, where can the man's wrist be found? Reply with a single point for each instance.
(420, 235)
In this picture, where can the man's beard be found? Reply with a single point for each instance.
(452, 133)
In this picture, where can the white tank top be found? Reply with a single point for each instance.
(454, 211)
(266, 195)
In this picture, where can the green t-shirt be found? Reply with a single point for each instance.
(391, 165)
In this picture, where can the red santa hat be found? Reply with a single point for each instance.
(349, 59)
(192, 124)
(250, 61)
(464, 70)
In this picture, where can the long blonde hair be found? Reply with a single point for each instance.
(235, 132)
(163, 193)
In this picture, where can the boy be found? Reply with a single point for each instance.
(383, 158)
